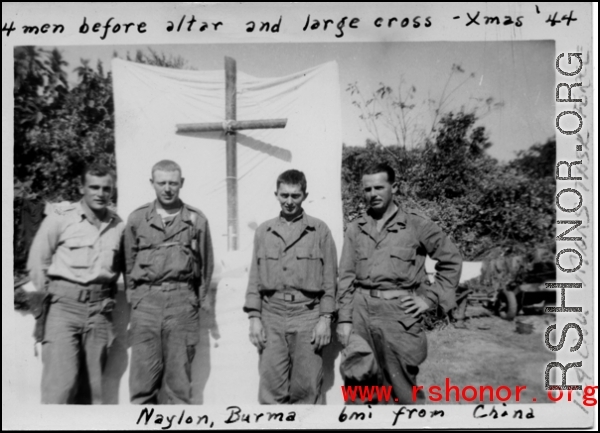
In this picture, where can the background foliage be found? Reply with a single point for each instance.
(490, 208)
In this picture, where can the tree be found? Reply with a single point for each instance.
(158, 59)
(539, 161)
(71, 128)
(452, 161)
(485, 206)
(58, 129)
(411, 121)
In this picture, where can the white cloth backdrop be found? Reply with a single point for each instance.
(149, 102)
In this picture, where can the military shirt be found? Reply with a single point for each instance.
(394, 258)
(180, 252)
(300, 255)
(69, 246)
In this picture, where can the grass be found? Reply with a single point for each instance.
(489, 352)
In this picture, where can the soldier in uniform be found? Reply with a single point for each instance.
(291, 297)
(383, 285)
(76, 258)
(169, 265)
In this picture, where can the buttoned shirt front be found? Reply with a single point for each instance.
(299, 255)
(69, 246)
(394, 258)
(155, 254)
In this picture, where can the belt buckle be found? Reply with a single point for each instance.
(289, 297)
(84, 295)
(375, 293)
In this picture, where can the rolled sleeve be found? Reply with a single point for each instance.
(347, 277)
(448, 267)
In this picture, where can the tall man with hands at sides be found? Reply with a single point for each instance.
(169, 262)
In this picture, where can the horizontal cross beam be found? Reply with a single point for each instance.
(231, 125)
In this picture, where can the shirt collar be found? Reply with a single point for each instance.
(399, 218)
(303, 218)
(299, 217)
(184, 212)
(86, 213)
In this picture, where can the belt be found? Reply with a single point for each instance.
(387, 294)
(291, 294)
(168, 286)
(80, 292)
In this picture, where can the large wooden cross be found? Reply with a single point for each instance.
(230, 126)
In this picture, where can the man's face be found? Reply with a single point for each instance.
(290, 198)
(167, 185)
(378, 192)
(97, 191)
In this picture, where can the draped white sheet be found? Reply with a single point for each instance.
(149, 102)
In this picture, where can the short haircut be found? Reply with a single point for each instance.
(96, 169)
(166, 165)
(292, 177)
(381, 167)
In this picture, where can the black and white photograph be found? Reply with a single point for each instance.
(298, 216)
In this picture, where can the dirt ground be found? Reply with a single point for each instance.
(489, 351)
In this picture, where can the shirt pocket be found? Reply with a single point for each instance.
(402, 262)
(177, 259)
(309, 275)
(269, 267)
(145, 266)
(80, 252)
(145, 251)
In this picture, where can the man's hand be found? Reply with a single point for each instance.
(258, 337)
(205, 306)
(414, 304)
(207, 303)
(343, 333)
(321, 335)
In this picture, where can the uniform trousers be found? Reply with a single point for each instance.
(398, 343)
(291, 370)
(164, 330)
(76, 333)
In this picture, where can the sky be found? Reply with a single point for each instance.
(519, 74)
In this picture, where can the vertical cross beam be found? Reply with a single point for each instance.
(231, 139)
(230, 126)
